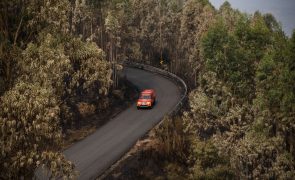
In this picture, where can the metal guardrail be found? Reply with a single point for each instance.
(177, 79)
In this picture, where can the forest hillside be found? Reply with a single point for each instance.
(240, 69)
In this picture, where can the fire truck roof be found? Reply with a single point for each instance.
(148, 91)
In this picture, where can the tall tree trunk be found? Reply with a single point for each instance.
(91, 29)
(102, 44)
(17, 31)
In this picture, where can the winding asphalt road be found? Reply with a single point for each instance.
(96, 153)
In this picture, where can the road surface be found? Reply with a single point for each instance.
(96, 153)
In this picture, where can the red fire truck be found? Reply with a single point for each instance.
(146, 99)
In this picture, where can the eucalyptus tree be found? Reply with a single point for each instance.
(195, 19)
(44, 70)
(20, 23)
(91, 71)
(30, 132)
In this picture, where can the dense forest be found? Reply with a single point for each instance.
(240, 69)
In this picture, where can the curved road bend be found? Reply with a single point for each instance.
(96, 153)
